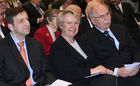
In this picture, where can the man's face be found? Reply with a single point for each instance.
(101, 18)
(115, 2)
(20, 26)
(3, 5)
(37, 2)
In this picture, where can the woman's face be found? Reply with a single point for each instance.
(53, 23)
(70, 26)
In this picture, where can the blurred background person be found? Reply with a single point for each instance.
(82, 4)
(3, 30)
(35, 10)
(85, 23)
(3, 6)
(12, 3)
(66, 3)
(49, 32)
(76, 9)
(124, 9)
(134, 4)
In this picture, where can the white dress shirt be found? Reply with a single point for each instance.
(52, 32)
(120, 6)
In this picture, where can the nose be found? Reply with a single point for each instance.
(74, 24)
(27, 22)
(106, 16)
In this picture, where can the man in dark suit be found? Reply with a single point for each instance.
(124, 9)
(113, 46)
(21, 65)
(35, 11)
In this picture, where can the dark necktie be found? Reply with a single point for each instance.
(107, 35)
(119, 10)
(40, 11)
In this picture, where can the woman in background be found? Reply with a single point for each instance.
(48, 33)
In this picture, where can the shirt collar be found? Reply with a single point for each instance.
(91, 25)
(15, 39)
(108, 29)
(33, 4)
(53, 30)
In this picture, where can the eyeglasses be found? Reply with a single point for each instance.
(3, 2)
(22, 20)
(72, 23)
(102, 16)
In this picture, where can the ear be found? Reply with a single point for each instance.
(11, 27)
(93, 21)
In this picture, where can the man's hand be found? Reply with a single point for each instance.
(40, 19)
(123, 72)
(135, 71)
(101, 69)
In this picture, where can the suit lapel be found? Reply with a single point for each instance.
(15, 52)
(29, 50)
(117, 35)
(71, 50)
(35, 11)
(101, 38)
(5, 30)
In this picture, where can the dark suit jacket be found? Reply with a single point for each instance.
(5, 30)
(23, 1)
(67, 63)
(84, 26)
(43, 35)
(57, 4)
(33, 14)
(128, 13)
(13, 70)
(106, 52)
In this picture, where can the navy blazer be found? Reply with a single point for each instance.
(67, 63)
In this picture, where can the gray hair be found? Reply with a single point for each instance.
(61, 15)
(93, 5)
